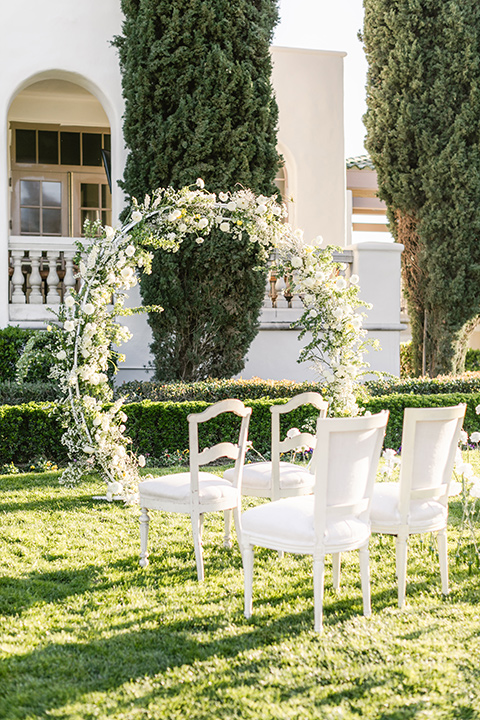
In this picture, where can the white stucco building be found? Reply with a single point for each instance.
(61, 122)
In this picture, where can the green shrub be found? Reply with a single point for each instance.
(472, 360)
(213, 390)
(407, 368)
(14, 393)
(466, 383)
(12, 343)
(37, 358)
(28, 431)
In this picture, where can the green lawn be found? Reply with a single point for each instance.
(86, 633)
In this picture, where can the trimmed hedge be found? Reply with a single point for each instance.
(31, 430)
(466, 383)
(213, 390)
(12, 344)
(397, 404)
(14, 393)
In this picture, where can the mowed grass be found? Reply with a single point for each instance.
(86, 633)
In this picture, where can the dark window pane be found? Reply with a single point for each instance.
(29, 192)
(92, 149)
(70, 148)
(106, 217)
(106, 197)
(30, 221)
(106, 143)
(51, 222)
(51, 194)
(25, 146)
(48, 147)
(89, 195)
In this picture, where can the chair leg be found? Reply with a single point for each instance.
(197, 523)
(144, 523)
(443, 557)
(365, 578)
(247, 558)
(227, 538)
(336, 570)
(318, 585)
(238, 526)
(401, 563)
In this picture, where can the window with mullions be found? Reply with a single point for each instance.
(40, 207)
(60, 147)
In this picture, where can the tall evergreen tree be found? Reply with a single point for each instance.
(199, 103)
(423, 96)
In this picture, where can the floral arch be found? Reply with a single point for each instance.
(87, 329)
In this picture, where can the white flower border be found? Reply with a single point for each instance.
(87, 327)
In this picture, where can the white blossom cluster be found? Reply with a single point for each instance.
(331, 316)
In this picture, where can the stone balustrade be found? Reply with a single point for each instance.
(41, 271)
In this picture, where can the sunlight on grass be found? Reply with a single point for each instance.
(86, 633)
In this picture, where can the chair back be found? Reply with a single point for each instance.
(347, 455)
(224, 449)
(429, 441)
(296, 441)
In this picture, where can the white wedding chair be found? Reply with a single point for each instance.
(196, 492)
(277, 479)
(335, 518)
(418, 502)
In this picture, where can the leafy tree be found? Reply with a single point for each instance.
(423, 96)
(199, 103)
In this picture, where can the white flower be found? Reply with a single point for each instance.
(69, 301)
(175, 214)
(298, 234)
(88, 449)
(182, 228)
(109, 231)
(113, 488)
(262, 209)
(293, 432)
(127, 273)
(62, 355)
(202, 223)
(141, 460)
(199, 240)
(477, 409)
(296, 262)
(354, 279)
(466, 470)
(313, 313)
(130, 251)
(69, 325)
(341, 283)
(454, 489)
(475, 490)
(225, 227)
(89, 308)
(232, 206)
(463, 437)
(223, 197)
(200, 183)
(475, 437)
(136, 216)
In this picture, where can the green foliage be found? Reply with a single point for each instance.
(37, 358)
(466, 383)
(407, 365)
(472, 360)
(199, 103)
(12, 343)
(213, 390)
(14, 393)
(30, 430)
(423, 137)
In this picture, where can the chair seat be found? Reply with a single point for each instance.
(258, 476)
(177, 487)
(384, 512)
(290, 520)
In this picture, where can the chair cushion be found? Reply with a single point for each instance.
(384, 509)
(291, 520)
(177, 487)
(258, 476)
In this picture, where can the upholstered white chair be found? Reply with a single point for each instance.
(196, 492)
(277, 479)
(418, 502)
(332, 520)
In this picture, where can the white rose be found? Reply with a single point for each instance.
(62, 355)
(296, 262)
(199, 240)
(69, 301)
(232, 206)
(225, 227)
(126, 273)
(475, 437)
(69, 325)
(109, 231)
(202, 223)
(182, 228)
(261, 209)
(130, 251)
(341, 283)
(136, 216)
(175, 214)
(89, 308)
(354, 279)
(200, 183)
(463, 437)
(223, 197)
(141, 460)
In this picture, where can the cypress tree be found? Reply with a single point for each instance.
(199, 103)
(423, 97)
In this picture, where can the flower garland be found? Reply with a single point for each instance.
(108, 260)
